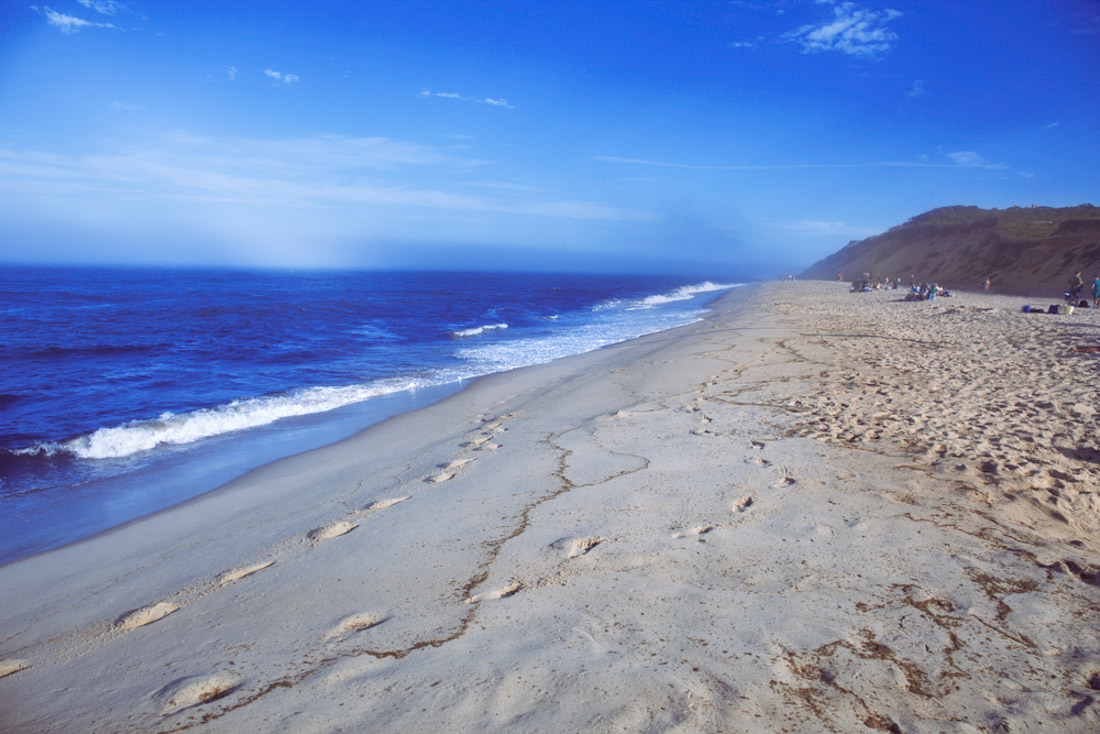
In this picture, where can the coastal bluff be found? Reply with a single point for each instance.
(1023, 251)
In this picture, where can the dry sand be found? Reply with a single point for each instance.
(812, 511)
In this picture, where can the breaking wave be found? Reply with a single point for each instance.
(477, 330)
(173, 429)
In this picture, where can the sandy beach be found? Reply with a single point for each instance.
(811, 511)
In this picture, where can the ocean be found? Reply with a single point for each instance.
(125, 391)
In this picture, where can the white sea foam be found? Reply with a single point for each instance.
(477, 330)
(173, 429)
(618, 321)
(682, 293)
(614, 325)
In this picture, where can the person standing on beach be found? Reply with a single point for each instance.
(987, 285)
(1076, 285)
(1096, 292)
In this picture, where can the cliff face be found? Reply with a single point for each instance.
(1031, 251)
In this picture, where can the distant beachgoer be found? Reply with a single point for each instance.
(987, 285)
(1096, 292)
(1076, 285)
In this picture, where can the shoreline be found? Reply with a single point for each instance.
(751, 522)
(224, 459)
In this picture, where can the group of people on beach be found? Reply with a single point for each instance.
(926, 292)
(1076, 290)
(917, 291)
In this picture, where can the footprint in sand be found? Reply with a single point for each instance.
(580, 546)
(187, 692)
(445, 476)
(743, 504)
(237, 574)
(383, 504)
(757, 444)
(355, 623)
(698, 530)
(145, 615)
(474, 443)
(502, 593)
(7, 667)
(456, 464)
(786, 481)
(335, 530)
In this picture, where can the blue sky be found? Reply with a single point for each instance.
(614, 135)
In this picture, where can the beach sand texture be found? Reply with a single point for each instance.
(812, 511)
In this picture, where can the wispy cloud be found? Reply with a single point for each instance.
(700, 167)
(363, 177)
(103, 7)
(128, 106)
(454, 95)
(231, 72)
(506, 186)
(279, 76)
(916, 90)
(1051, 125)
(67, 23)
(853, 30)
(970, 159)
(955, 159)
(1084, 22)
(811, 227)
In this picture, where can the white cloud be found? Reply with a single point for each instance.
(853, 30)
(916, 90)
(103, 7)
(128, 106)
(1025, 174)
(1051, 125)
(279, 76)
(231, 72)
(67, 23)
(454, 95)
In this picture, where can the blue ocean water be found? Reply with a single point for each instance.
(124, 391)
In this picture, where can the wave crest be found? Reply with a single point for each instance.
(684, 292)
(477, 331)
(174, 429)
